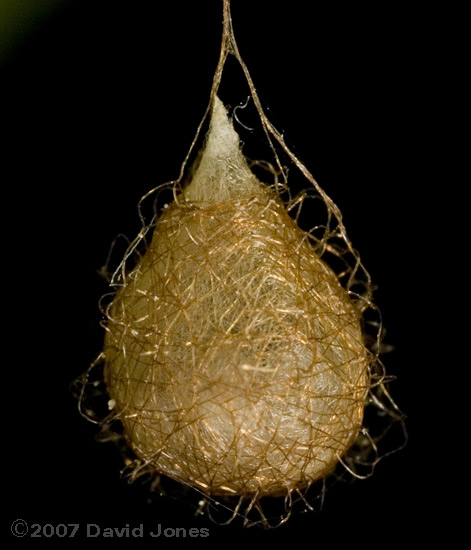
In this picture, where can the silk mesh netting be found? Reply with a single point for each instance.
(236, 360)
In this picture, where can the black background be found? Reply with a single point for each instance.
(99, 104)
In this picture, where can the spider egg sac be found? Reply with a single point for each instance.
(233, 355)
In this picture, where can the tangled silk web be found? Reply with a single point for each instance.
(234, 359)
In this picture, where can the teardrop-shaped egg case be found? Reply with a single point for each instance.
(234, 358)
